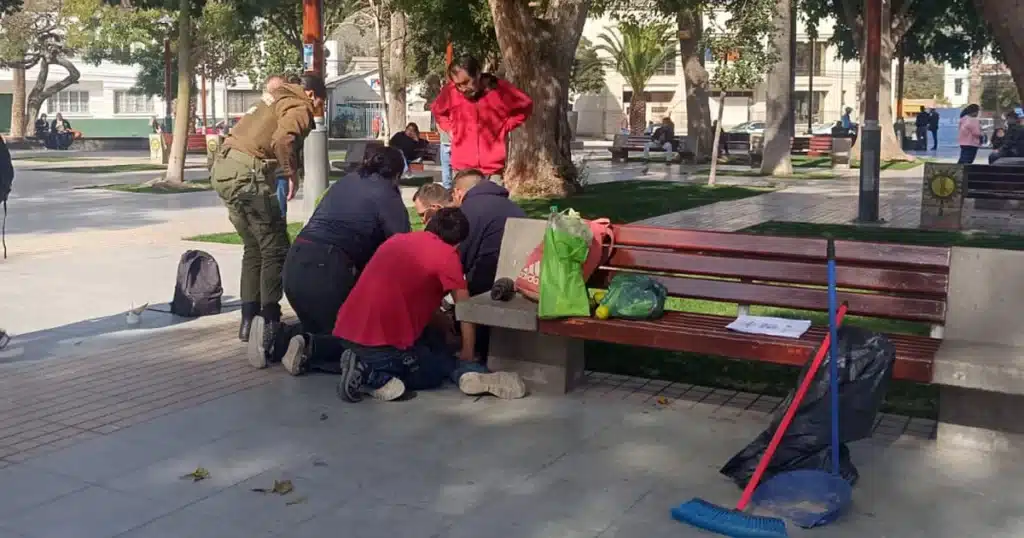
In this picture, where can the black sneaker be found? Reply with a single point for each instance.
(296, 356)
(353, 373)
(249, 311)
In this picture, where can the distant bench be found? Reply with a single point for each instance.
(976, 355)
(994, 182)
(196, 143)
(624, 144)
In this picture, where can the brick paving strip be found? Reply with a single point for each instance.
(57, 402)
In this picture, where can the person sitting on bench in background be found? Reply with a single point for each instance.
(357, 214)
(1012, 144)
(664, 138)
(413, 148)
(387, 323)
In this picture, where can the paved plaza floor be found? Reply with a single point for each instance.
(95, 443)
(99, 420)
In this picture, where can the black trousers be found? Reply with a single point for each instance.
(317, 280)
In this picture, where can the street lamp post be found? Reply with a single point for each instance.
(871, 132)
(315, 162)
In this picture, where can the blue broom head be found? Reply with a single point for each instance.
(711, 517)
(807, 497)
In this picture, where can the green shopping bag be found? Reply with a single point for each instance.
(563, 292)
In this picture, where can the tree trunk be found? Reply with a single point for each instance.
(378, 13)
(397, 80)
(637, 114)
(690, 24)
(1004, 17)
(778, 129)
(538, 50)
(717, 139)
(975, 83)
(892, 148)
(183, 103)
(41, 92)
(19, 121)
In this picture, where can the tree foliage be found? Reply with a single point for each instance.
(637, 51)
(923, 81)
(999, 93)
(587, 70)
(467, 24)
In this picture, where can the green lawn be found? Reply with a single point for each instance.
(896, 165)
(109, 168)
(159, 188)
(756, 172)
(54, 158)
(903, 397)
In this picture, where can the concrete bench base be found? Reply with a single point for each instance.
(980, 420)
(548, 364)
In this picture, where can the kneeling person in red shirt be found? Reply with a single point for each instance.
(386, 322)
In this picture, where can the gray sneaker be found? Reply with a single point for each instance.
(353, 374)
(391, 391)
(255, 351)
(504, 385)
(296, 356)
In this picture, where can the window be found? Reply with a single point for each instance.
(668, 68)
(240, 101)
(804, 108)
(803, 59)
(958, 86)
(71, 102)
(126, 102)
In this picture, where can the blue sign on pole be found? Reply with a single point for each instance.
(307, 57)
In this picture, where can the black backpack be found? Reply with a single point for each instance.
(198, 290)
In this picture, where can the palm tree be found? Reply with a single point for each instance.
(637, 52)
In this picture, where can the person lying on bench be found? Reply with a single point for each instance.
(664, 138)
(387, 322)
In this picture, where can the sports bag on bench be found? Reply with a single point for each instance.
(528, 281)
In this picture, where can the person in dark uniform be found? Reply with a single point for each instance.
(243, 175)
(921, 128)
(358, 213)
(933, 128)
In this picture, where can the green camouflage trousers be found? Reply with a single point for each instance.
(241, 182)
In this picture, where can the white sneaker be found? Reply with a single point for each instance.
(296, 356)
(504, 385)
(391, 391)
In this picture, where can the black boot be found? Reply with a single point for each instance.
(249, 311)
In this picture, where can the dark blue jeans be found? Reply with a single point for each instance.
(967, 154)
(426, 365)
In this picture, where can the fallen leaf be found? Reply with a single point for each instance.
(197, 475)
(323, 416)
(281, 487)
(662, 400)
(297, 500)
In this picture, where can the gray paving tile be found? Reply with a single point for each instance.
(94, 512)
(102, 458)
(277, 514)
(23, 488)
(191, 524)
(368, 518)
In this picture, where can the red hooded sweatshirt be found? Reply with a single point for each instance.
(479, 128)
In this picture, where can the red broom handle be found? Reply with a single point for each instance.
(805, 385)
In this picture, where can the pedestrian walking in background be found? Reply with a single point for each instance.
(266, 137)
(969, 135)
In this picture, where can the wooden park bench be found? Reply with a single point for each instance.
(878, 280)
(354, 154)
(624, 144)
(196, 143)
(993, 182)
(820, 145)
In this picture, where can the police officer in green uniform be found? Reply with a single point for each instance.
(264, 139)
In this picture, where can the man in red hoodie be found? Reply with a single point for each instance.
(479, 110)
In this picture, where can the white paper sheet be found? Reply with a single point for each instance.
(786, 328)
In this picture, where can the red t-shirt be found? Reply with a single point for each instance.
(399, 291)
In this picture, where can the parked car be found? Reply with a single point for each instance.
(749, 127)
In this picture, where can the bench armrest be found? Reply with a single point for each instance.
(519, 313)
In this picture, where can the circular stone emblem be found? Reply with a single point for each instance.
(943, 186)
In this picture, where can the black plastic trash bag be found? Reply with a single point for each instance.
(865, 366)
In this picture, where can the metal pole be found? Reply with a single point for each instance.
(167, 84)
(899, 85)
(315, 163)
(871, 133)
(810, 88)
